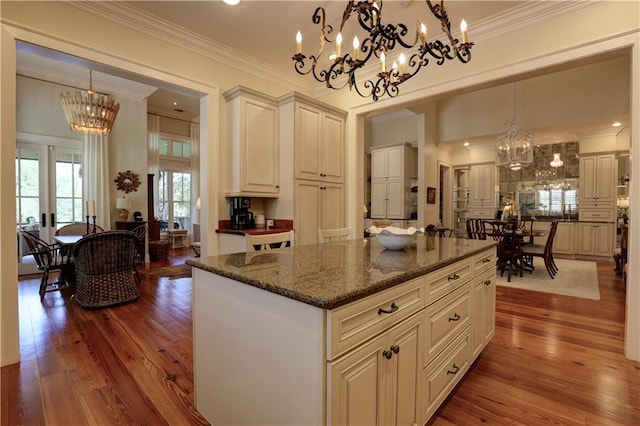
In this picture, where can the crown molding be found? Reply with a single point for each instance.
(128, 16)
(121, 13)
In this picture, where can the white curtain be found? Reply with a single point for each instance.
(153, 157)
(96, 180)
(195, 170)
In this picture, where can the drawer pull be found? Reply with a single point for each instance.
(387, 354)
(393, 307)
(395, 349)
(454, 370)
(486, 260)
(453, 277)
(487, 282)
(455, 317)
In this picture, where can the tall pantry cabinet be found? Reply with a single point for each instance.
(482, 192)
(318, 133)
(391, 171)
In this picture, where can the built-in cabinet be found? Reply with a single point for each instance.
(595, 239)
(317, 205)
(253, 149)
(392, 169)
(461, 200)
(315, 131)
(482, 192)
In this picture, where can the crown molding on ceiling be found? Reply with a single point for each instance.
(135, 19)
(518, 17)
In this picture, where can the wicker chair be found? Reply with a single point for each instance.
(49, 258)
(77, 228)
(141, 233)
(105, 265)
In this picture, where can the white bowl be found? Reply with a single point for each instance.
(394, 242)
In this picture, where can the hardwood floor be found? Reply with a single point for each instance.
(554, 360)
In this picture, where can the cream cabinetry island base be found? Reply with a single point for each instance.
(388, 358)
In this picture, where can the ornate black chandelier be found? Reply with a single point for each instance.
(381, 41)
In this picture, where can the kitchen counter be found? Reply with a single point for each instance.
(333, 274)
(327, 333)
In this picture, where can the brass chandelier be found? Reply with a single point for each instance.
(382, 41)
(89, 111)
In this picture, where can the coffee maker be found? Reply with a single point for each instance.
(241, 217)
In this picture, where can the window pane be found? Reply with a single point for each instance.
(186, 150)
(163, 146)
(176, 149)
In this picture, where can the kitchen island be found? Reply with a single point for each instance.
(339, 333)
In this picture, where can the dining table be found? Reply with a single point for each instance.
(68, 242)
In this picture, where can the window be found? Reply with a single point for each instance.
(551, 201)
(174, 184)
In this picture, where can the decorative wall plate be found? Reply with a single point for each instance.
(127, 181)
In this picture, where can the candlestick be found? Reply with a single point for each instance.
(94, 208)
(356, 48)
(86, 209)
(87, 233)
(463, 28)
(339, 44)
(403, 63)
(383, 65)
(298, 42)
(423, 32)
(94, 224)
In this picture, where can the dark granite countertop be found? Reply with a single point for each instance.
(333, 274)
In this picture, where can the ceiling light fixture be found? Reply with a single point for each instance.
(616, 124)
(514, 148)
(89, 111)
(383, 41)
(556, 162)
(231, 2)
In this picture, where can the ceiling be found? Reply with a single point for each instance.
(262, 32)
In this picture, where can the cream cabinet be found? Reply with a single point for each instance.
(253, 143)
(377, 384)
(597, 180)
(319, 142)
(483, 297)
(595, 239)
(391, 171)
(482, 193)
(317, 205)
(563, 242)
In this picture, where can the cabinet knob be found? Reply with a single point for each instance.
(387, 354)
(455, 317)
(486, 260)
(487, 282)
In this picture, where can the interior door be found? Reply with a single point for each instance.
(48, 193)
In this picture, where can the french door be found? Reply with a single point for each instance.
(48, 192)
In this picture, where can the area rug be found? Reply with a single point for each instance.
(172, 272)
(575, 278)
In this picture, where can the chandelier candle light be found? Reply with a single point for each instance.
(514, 148)
(382, 41)
(89, 111)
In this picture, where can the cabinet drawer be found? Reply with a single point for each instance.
(356, 322)
(442, 281)
(484, 260)
(445, 319)
(596, 214)
(482, 213)
(439, 378)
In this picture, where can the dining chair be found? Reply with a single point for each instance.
(337, 234)
(508, 251)
(475, 229)
(269, 241)
(76, 228)
(105, 269)
(494, 228)
(50, 258)
(543, 251)
(141, 233)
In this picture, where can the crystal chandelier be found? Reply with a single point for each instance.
(514, 148)
(382, 41)
(556, 162)
(89, 111)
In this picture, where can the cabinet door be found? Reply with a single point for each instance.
(358, 381)
(483, 311)
(405, 364)
(604, 239)
(395, 162)
(482, 184)
(332, 148)
(396, 195)
(606, 181)
(307, 144)
(588, 182)
(379, 164)
(332, 206)
(586, 239)
(260, 147)
(307, 212)
(563, 241)
(379, 199)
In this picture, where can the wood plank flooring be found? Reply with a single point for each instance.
(554, 360)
